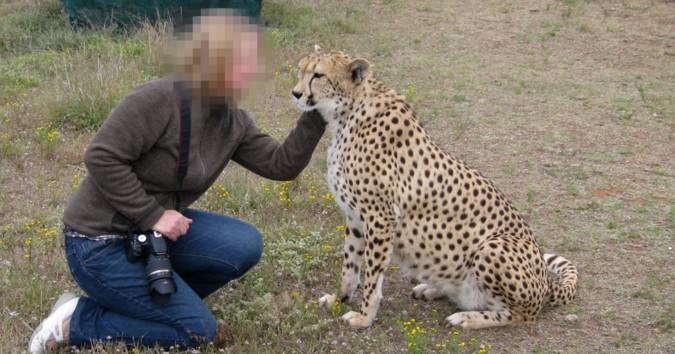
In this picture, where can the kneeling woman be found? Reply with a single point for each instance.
(132, 187)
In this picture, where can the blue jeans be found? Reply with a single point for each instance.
(215, 250)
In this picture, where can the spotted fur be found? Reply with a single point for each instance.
(406, 199)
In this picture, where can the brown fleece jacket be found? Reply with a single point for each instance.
(132, 159)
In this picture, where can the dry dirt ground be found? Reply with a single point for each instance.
(570, 107)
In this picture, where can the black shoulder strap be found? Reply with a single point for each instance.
(185, 106)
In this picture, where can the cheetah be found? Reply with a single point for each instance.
(407, 200)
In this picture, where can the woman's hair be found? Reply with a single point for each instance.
(204, 51)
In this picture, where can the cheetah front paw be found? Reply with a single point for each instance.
(357, 320)
(458, 320)
(426, 292)
(328, 300)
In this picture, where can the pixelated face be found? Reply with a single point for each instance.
(220, 55)
(244, 68)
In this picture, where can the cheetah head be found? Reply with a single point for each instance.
(327, 80)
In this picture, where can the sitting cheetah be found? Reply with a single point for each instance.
(406, 199)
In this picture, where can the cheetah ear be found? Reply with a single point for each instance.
(317, 48)
(358, 69)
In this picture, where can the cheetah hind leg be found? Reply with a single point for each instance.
(484, 319)
(426, 291)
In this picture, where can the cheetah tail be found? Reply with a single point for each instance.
(562, 279)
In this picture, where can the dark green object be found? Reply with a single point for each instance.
(126, 13)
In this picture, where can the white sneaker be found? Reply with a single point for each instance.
(52, 326)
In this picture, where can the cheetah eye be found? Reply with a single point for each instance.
(318, 76)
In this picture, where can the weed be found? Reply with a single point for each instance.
(629, 234)
(421, 338)
(574, 310)
(625, 338)
(646, 294)
(425, 8)
(593, 205)
(666, 319)
(625, 115)
(521, 86)
(670, 218)
(624, 151)
(47, 137)
(410, 93)
(530, 195)
(459, 98)
(584, 28)
(548, 35)
(661, 172)
(573, 190)
(643, 92)
(8, 148)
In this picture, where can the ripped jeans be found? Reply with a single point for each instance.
(118, 307)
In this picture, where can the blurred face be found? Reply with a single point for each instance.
(244, 69)
(221, 57)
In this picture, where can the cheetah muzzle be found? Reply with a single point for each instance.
(406, 199)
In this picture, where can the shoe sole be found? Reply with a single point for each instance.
(62, 300)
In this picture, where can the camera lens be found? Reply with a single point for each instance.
(160, 279)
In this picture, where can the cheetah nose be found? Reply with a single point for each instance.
(296, 94)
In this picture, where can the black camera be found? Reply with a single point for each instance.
(153, 249)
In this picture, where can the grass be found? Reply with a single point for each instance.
(556, 102)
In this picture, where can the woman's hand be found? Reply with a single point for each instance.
(172, 225)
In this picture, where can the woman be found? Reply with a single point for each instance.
(132, 187)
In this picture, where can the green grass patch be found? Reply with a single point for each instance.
(20, 73)
(300, 25)
(666, 318)
(33, 26)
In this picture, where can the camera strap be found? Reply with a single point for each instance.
(184, 107)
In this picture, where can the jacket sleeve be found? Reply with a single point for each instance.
(282, 161)
(132, 128)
